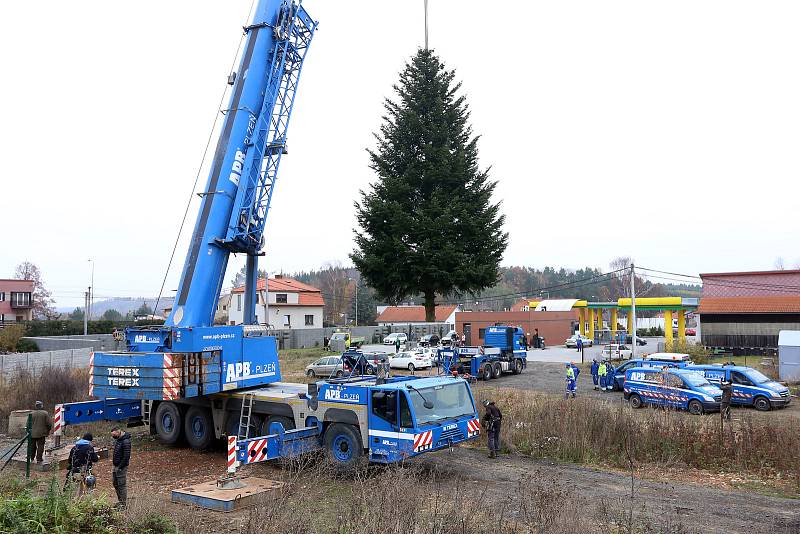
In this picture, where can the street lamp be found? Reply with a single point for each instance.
(91, 291)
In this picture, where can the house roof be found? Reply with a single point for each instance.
(754, 304)
(749, 273)
(283, 284)
(413, 314)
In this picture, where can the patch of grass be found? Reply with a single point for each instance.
(586, 431)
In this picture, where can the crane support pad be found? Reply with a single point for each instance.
(209, 495)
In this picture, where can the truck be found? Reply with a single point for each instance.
(191, 380)
(503, 352)
(343, 340)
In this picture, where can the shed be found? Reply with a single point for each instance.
(789, 355)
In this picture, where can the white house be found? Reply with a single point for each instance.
(281, 302)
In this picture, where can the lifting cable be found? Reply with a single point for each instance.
(202, 160)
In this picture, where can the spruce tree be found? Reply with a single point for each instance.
(427, 225)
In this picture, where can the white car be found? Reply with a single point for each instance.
(409, 360)
(428, 352)
(572, 341)
(616, 352)
(391, 338)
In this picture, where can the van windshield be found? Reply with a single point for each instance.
(757, 377)
(450, 400)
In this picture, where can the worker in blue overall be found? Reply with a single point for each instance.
(610, 370)
(570, 381)
(595, 371)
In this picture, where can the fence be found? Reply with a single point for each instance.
(35, 361)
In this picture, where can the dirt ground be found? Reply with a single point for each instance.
(156, 470)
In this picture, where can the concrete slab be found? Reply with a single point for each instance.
(54, 460)
(209, 495)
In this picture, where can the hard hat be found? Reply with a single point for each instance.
(90, 481)
(487, 402)
(39, 405)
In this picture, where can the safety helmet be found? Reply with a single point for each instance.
(90, 481)
(566, 364)
(39, 405)
(487, 402)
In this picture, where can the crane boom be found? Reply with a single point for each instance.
(237, 196)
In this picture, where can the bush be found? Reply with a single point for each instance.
(10, 336)
(27, 345)
(53, 385)
(698, 352)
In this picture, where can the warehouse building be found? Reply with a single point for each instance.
(743, 312)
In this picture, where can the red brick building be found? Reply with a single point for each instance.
(555, 326)
(16, 300)
(744, 311)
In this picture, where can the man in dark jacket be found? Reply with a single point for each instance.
(81, 457)
(727, 392)
(595, 373)
(120, 461)
(41, 425)
(491, 422)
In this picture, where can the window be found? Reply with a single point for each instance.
(309, 320)
(674, 381)
(482, 333)
(281, 298)
(19, 298)
(384, 405)
(405, 412)
(238, 303)
(2, 296)
(739, 378)
(287, 320)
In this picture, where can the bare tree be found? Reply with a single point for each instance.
(779, 264)
(338, 290)
(42, 298)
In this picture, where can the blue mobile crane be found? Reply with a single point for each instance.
(190, 380)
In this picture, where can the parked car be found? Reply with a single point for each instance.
(429, 340)
(640, 341)
(616, 352)
(449, 338)
(390, 339)
(572, 341)
(409, 360)
(691, 332)
(325, 367)
(432, 353)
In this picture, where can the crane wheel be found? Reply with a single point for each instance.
(287, 424)
(343, 445)
(169, 423)
(199, 428)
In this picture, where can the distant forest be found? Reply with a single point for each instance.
(338, 286)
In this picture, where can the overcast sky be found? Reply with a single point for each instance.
(667, 131)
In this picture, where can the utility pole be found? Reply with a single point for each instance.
(426, 24)
(357, 280)
(86, 312)
(633, 312)
(91, 292)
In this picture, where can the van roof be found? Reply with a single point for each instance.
(673, 370)
(740, 368)
(668, 356)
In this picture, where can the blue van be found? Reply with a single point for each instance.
(671, 387)
(658, 361)
(750, 387)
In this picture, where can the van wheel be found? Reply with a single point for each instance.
(339, 374)
(636, 401)
(199, 428)
(169, 423)
(762, 404)
(498, 371)
(343, 444)
(695, 407)
(486, 372)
